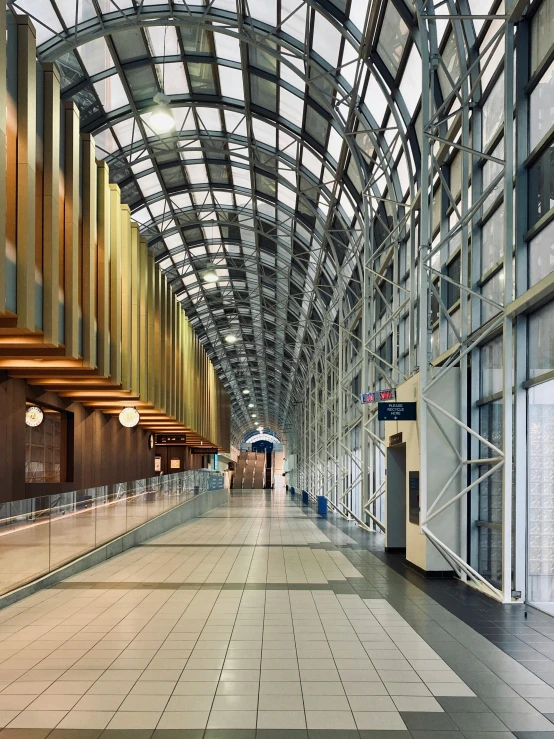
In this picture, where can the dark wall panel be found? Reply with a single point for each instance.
(104, 451)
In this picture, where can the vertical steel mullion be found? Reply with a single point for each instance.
(507, 323)
(425, 237)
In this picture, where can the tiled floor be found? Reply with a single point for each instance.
(258, 621)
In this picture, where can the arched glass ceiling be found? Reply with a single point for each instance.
(286, 113)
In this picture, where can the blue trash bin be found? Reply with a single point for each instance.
(322, 505)
(305, 497)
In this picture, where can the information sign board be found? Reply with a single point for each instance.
(397, 411)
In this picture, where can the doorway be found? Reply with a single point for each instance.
(395, 538)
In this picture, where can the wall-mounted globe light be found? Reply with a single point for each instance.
(129, 417)
(34, 416)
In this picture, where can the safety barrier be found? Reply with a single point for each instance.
(39, 535)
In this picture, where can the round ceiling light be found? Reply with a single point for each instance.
(209, 274)
(231, 339)
(129, 417)
(34, 416)
(246, 392)
(260, 429)
(250, 405)
(161, 119)
(254, 415)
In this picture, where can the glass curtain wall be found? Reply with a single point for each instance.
(540, 325)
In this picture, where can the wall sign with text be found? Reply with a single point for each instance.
(378, 396)
(397, 411)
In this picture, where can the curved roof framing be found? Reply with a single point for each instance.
(295, 140)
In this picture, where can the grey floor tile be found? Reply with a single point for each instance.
(478, 722)
(428, 721)
(333, 734)
(526, 721)
(463, 705)
(281, 734)
(230, 734)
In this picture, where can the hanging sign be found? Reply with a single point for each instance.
(170, 439)
(397, 411)
(378, 396)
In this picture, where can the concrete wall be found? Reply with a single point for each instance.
(441, 464)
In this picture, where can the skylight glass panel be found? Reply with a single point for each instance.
(127, 132)
(173, 78)
(230, 5)
(96, 56)
(197, 174)
(311, 162)
(291, 107)
(227, 47)
(201, 78)
(241, 177)
(231, 82)
(265, 11)
(316, 125)
(334, 145)
(287, 196)
(163, 41)
(149, 184)
(174, 242)
(209, 119)
(288, 75)
(375, 100)
(235, 123)
(392, 38)
(141, 166)
(287, 144)
(141, 216)
(159, 207)
(105, 143)
(181, 201)
(293, 18)
(410, 86)
(44, 18)
(111, 93)
(349, 64)
(264, 132)
(327, 40)
(222, 197)
(358, 13)
(263, 92)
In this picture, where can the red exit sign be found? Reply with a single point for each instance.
(377, 396)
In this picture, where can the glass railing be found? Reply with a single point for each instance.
(39, 535)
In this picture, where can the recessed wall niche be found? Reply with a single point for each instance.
(45, 444)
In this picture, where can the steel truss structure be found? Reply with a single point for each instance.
(348, 167)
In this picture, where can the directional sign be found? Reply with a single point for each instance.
(378, 396)
(397, 411)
